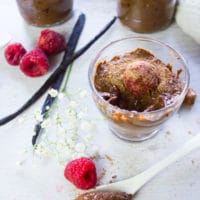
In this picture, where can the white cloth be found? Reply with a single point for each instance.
(188, 18)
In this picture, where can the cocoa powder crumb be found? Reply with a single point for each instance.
(168, 132)
(96, 156)
(110, 181)
(193, 162)
(102, 174)
(190, 132)
(109, 158)
(114, 177)
(190, 97)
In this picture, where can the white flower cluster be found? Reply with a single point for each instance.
(68, 132)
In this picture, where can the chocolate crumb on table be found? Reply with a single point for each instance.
(109, 158)
(190, 132)
(193, 162)
(168, 132)
(190, 97)
(114, 177)
(101, 175)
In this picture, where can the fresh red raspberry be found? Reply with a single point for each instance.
(34, 63)
(14, 52)
(51, 42)
(82, 173)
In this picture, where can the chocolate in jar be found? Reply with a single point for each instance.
(146, 15)
(45, 12)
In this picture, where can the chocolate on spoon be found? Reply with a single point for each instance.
(105, 195)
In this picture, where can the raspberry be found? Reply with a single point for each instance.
(82, 173)
(34, 63)
(14, 52)
(140, 78)
(51, 42)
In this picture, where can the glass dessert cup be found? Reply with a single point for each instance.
(134, 125)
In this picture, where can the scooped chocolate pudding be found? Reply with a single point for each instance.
(105, 196)
(137, 81)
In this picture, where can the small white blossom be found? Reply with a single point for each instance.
(21, 120)
(47, 107)
(86, 126)
(73, 105)
(24, 151)
(44, 136)
(61, 134)
(80, 147)
(73, 124)
(61, 95)
(34, 133)
(59, 146)
(47, 154)
(80, 115)
(58, 118)
(88, 137)
(70, 141)
(83, 94)
(38, 116)
(94, 151)
(85, 109)
(61, 130)
(78, 155)
(68, 154)
(81, 155)
(71, 113)
(20, 163)
(74, 156)
(53, 93)
(46, 123)
(79, 90)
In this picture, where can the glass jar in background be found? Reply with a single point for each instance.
(146, 15)
(45, 12)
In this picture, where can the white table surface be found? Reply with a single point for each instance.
(45, 181)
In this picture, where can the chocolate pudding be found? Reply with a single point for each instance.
(137, 81)
(45, 13)
(105, 196)
(146, 15)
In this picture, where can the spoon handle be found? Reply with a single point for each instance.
(148, 174)
(132, 185)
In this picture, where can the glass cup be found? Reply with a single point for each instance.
(45, 12)
(133, 125)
